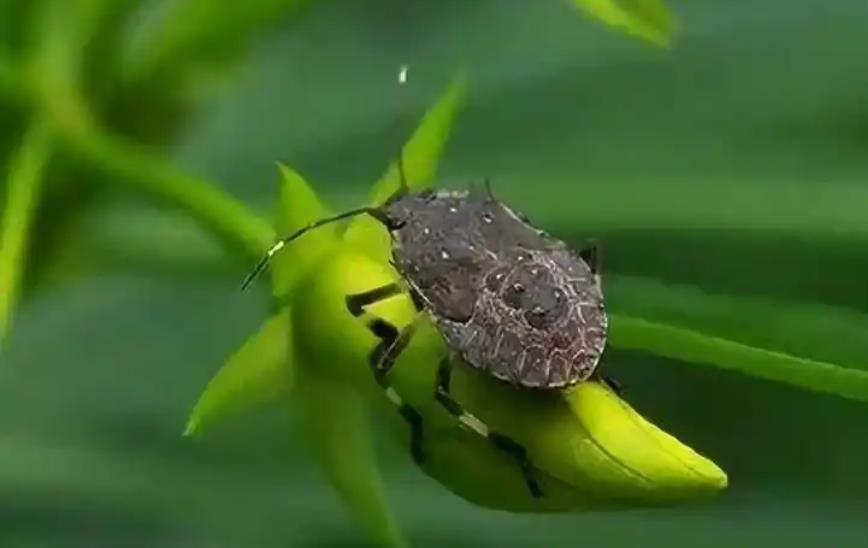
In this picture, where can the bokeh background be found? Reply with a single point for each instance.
(736, 163)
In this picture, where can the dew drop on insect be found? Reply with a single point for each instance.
(444, 254)
(426, 231)
(453, 209)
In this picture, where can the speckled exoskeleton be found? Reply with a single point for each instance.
(507, 298)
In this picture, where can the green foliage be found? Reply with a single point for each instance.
(25, 179)
(259, 371)
(197, 35)
(646, 19)
(298, 205)
(774, 340)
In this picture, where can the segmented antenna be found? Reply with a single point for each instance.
(263, 262)
(488, 189)
(373, 211)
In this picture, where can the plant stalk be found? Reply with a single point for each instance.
(127, 163)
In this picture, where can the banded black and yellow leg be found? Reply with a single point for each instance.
(382, 358)
(500, 441)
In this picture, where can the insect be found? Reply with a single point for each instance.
(506, 297)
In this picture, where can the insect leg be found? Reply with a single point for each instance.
(383, 356)
(392, 342)
(381, 359)
(500, 441)
(357, 302)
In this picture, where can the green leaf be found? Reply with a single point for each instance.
(795, 328)
(421, 156)
(692, 346)
(646, 19)
(298, 205)
(773, 340)
(24, 182)
(259, 371)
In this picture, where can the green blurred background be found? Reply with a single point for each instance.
(737, 163)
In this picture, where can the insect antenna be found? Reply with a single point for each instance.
(488, 189)
(263, 262)
(402, 175)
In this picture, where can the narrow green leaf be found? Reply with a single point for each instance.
(134, 166)
(695, 347)
(807, 330)
(259, 371)
(298, 205)
(24, 182)
(774, 340)
(646, 19)
(420, 156)
(643, 203)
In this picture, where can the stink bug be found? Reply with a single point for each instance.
(506, 297)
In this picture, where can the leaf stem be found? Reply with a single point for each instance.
(127, 163)
(24, 185)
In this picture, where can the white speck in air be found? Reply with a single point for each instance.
(402, 74)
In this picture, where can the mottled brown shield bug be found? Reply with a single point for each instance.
(507, 298)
